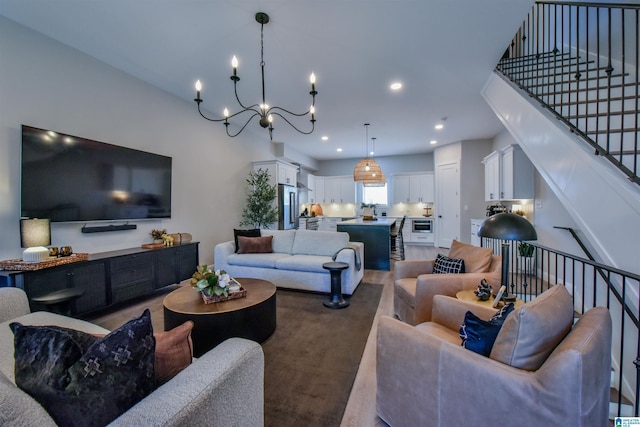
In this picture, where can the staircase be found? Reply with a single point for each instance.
(568, 90)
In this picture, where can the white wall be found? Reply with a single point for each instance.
(388, 164)
(46, 84)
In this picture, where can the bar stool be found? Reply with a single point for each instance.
(397, 241)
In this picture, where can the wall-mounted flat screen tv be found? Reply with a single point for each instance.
(67, 178)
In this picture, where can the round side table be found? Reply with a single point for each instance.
(335, 299)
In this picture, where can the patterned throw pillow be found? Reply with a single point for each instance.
(84, 383)
(479, 335)
(444, 265)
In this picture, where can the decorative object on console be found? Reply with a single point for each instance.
(157, 234)
(264, 111)
(484, 290)
(216, 286)
(35, 234)
(65, 251)
(507, 226)
(368, 171)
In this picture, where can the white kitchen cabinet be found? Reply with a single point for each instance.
(339, 189)
(508, 175)
(327, 223)
(279, 172)
(316, 188)
(287, 174)
(413, 188)
(401, 189)
(492, 177)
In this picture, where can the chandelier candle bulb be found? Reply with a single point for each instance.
(234, 65)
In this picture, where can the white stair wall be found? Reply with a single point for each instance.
(604, 204)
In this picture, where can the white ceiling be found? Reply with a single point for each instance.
(442, 52)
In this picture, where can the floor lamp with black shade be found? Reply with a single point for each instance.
(507, 226)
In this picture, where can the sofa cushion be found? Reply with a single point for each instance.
(476, 259)
(445, 265)
(303, 263)
(325, 243)
(246, 233)
(255, 245)
(534, 330)
(256, 260)
(282, 240)
(86, 386)
(479, 335)
(17, 408)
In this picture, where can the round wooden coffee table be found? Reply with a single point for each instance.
(252, 317)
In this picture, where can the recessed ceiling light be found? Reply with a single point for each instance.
(396, 86)
(325, 138)
(433, 141)
(339, 150)
(439, 126)
(371, 153)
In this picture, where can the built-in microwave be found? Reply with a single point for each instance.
(422, 225)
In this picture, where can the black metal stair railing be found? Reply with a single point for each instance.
(591, 284)
(581, 61)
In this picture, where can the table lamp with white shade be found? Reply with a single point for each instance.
(35, 234)
(507, 226)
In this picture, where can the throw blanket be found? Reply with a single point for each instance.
(356, 255)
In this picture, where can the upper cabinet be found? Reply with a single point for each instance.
(508, 175)
(413, 188)
(279, 172)
(339, 189)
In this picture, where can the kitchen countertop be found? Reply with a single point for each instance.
(382, 221)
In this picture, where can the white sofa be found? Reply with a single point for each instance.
(296, 261)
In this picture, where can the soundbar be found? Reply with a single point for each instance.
(104, 228)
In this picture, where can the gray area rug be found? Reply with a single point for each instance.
(312, 358)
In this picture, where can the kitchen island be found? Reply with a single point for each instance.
(376, 236)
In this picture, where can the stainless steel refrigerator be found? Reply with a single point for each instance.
(287, 207)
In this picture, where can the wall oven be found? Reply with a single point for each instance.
(422, 225)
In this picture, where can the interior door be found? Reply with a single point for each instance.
(448, 204)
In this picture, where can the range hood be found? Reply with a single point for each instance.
(301, 187)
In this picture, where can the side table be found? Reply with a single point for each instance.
(469, 296)
(335, 299)
(59, 301)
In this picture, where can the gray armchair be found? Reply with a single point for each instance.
(415, 285)
(541, 370)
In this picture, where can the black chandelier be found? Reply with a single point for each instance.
(263, 110)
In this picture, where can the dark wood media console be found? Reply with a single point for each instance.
(109, 278)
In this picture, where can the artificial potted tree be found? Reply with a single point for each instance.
(260, 211)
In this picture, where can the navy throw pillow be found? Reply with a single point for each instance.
(479, 335)
(85, 381)
(444, 265)
(245, 233)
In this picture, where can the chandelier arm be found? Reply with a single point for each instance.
(208, 118)
(313, 124)
(235, 91)
(242, 128)
(287, 111)
(252, 108)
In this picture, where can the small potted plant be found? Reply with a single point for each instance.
(525, 255)
(156, 235)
